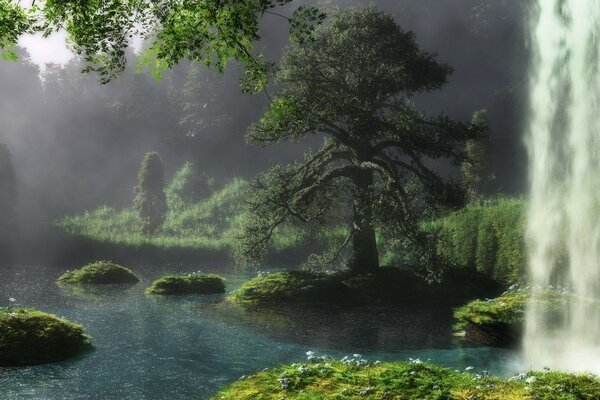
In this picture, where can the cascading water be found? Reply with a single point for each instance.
(563, 229)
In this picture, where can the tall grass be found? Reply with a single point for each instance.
(487, 237)
(214, 223)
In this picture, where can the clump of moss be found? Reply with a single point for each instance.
(500, 321)
(355, 378)
(29, 337)
(292, 286)
(188, 284)
(97, 273)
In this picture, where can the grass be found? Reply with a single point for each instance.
(356, 378)
(488, 238)
(211, 224)
(29, 337)
(101, 272)
(187, 284)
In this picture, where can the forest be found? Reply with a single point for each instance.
(299, 199)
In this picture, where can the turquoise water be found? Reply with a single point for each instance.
(187, 347)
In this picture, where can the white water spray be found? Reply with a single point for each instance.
(563, 229)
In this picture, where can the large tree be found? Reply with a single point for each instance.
(353, 83)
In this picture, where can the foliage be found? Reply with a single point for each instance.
(487, 237)
(353, 82)
(355, 378)
(14, 22)
(188, 186)
(478, 177)
(150, 201)
(187, 284)
(100, 272)
(30, 337)
(8, 197)
(210, 31)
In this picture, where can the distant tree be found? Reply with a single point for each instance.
(189, 185)
(150, 200)
(8, 198)
(353, 84)
(478, 176)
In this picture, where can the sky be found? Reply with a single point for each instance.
(51, 50)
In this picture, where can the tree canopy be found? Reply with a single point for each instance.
(353, 84)
(209, 31)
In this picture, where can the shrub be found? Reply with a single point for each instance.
(29, 337)
(101, 272)
(188, 284)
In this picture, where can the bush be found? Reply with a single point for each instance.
(355, 378)
(29, 337)
(488, 238)
(187, 284)
(101, 272)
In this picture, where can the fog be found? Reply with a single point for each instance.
(77, 144)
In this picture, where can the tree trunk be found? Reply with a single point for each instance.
(365, 257)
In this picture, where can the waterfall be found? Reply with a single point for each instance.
(563, 141)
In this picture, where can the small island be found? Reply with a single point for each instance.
(387, 285)
(354, 378)
(500, 321)
(30, 337)
(196, 283)
(99, 273)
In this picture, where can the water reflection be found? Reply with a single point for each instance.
(364, 329)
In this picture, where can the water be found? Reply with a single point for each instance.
(187, 347)
(564, 147)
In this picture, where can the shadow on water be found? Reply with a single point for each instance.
(363, 329)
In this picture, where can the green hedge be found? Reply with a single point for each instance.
(488, 237)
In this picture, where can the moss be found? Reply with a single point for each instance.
(500, 321)
(188, 284)
(355, 379)
(101, 272)
(286, 287)
(29, 337)
(388, 285)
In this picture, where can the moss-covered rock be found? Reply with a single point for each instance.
(388, 285)
(292, 286)
(29, 337)
(500, 321)
(99, 273)
(188, 284)
(356, 379)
